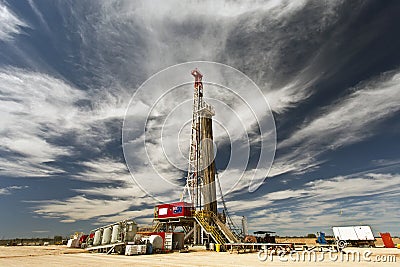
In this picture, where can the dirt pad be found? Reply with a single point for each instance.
(62, 256)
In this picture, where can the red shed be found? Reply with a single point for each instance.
(173, 210)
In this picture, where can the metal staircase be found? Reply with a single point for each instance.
(157, 226)
(201, 218)
(237, 233)
(225, 229)
(220, 233)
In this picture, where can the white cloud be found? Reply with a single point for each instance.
(205, 8)
(345, 200)
(34, 101)
(9, 189)
(162, 45)
(141, 216)
(38, 14)
(37, 108)
(159, 26)
(68, 221)
(104, 170)
(344, 187)
(293, 91)
(352, 119)
(81, 208)
(66, 116)
(104, 203)
(25, 168)
(36, 149)
(122, 203)
(10, 24)
(31, 101)
(34, 108)
(348, 121)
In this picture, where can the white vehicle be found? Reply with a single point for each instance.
(353, 235)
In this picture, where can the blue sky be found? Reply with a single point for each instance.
(330, 71)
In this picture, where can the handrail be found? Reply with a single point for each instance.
(200, 216)
(226, 231)
(156, 227)
(221, 232)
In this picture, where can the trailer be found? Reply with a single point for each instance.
(354, 236)
(112, 238)
(253, 247)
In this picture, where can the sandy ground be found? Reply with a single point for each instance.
(62, 256)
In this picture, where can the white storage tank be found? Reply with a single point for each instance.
(115, 234)
(106, 236)
(156, 241)
(97, 237)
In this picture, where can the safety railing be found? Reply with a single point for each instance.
(202, 217)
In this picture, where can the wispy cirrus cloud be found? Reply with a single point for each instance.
(38, 14)
(101, 204)
(349, 120)
(9, 189)
(263, 38)
(103, 170)
(40, 231)
(34, 108)
(113, 196)
(81, 208)
(10, 24)
(345, 122)
(343, 200)
(37, 110)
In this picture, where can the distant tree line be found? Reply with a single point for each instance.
(34, 241)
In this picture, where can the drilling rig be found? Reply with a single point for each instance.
(200, 182)
(197, 210)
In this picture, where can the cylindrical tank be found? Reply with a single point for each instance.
(106, 236)
(115, 234)
(156, 241)
(97, 237)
